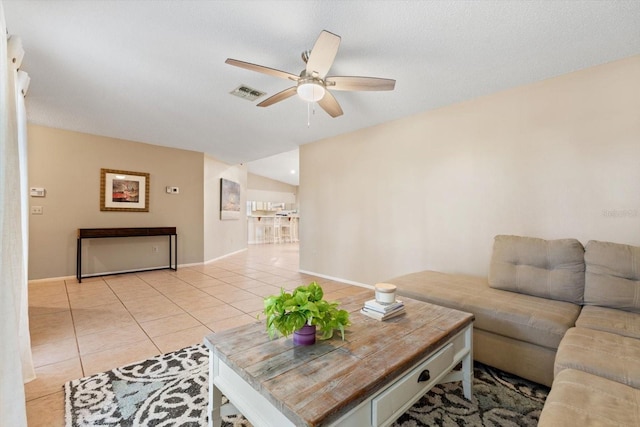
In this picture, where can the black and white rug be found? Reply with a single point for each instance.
(166, 390)
(499, 399)
(171, 390)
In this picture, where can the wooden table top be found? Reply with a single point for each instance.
(317, 384)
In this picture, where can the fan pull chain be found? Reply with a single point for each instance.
(311, 110)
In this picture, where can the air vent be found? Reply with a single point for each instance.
(247, 93)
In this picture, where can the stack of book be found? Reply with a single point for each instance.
(376, 310)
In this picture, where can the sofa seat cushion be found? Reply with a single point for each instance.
(581, 399)
(600, 353)
(610, 320)
(526, 318)
(552, 269)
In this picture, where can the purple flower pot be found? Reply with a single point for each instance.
(305, 335)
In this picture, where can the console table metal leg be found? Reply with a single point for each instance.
(173, 252)
(79, 260)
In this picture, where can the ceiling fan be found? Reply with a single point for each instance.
(313, 84)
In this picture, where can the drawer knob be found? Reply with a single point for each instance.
(424, 376)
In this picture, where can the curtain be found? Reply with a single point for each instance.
(16, 365)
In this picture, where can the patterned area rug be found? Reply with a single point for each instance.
(499, 399)
(171, 390)
(166, 390)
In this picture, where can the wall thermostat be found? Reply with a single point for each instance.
(37, 192)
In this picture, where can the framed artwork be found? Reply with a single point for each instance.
(229, 199)
(124, 191)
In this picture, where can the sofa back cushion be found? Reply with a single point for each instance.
(613, 276)
(551, 269)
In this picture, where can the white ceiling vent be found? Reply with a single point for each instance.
(247, 93)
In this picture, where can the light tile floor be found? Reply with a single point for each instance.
(79, 329)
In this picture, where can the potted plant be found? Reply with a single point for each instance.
(289, 313)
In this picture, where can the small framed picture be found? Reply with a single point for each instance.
(124, 191)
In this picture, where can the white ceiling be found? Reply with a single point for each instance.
(154, 71)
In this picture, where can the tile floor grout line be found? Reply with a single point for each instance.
(132, 316)
(75, 332)
(185, 311)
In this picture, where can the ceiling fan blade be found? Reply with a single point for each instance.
(359, 83)
(323, 53)
(330, 105)
(262, 69)
(280, 96)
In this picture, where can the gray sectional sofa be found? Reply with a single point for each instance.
(556, 313)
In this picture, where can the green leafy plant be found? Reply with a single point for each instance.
(289, 312)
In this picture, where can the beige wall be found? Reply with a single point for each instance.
(68, 165)
(257, 182)
(262, 189)
(228, 236)
(559, 158)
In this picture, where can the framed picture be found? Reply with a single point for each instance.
(229, 199)
(124, 191)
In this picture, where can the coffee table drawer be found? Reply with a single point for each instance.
(410, 386)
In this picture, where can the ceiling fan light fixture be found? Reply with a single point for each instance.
(310, 91)
(311, 84)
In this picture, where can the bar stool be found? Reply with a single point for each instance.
(285, 229)
(269, 229)
(295, 220)
(277, 229)
(263, 229)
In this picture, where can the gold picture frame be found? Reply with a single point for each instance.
(124, 191)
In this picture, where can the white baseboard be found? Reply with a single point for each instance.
(337, 279)
(51, 279)
(107, 273)
(224, 256)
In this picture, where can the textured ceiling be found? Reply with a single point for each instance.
(154, 71)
